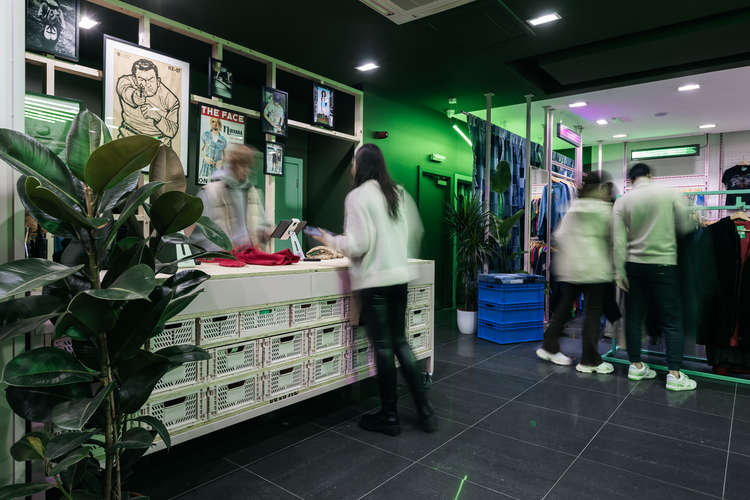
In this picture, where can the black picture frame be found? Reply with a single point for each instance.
(323, 98)
(268, 96)
(220, 79)
(53, 29)
(271, 163)
(48, 119)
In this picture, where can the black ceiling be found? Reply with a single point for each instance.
(484, 46)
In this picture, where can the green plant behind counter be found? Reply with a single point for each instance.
(92, 398)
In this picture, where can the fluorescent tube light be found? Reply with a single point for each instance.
(673, 152)
(709, 125)
(367, 67)
(602, 121)
(688, 87)
(578, 104)
(544, 19)
(87, 23)
(620, 136)
(462, 134)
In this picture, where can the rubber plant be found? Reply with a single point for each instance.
(92, 397)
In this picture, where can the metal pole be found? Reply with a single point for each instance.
(548, 126)
(527, 191)
(579, 158)
(487, 170)
(600, 160)
(625, 167)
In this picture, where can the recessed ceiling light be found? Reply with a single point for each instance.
(578, 104)
(620, 136)
(688, 87)
(602, 121)
(544, 19)
(659, 115)
(87, 23)
(710, 125)
(367, 67)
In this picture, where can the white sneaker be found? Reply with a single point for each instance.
(602, 368)
(644, 373)
(684, 383)
(558, 358)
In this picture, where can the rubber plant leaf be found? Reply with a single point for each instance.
(116, 196)
(45, 367)
(185, 282)
(36, 403)
(29, 447)
(136, 322)
(71, 459)
(22, 490)
(138, 388)
(87, 133)
(73, 415)
(214, 233)
(174, 211)
(167, 168)
(52, 204)
(23, 315)
(159, 427)
(49, 223)
(111, 163)
(97, 315)
(133, 438)
(134, 201)
(135, 283)
(20, 276)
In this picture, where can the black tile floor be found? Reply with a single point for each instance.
(511, 426)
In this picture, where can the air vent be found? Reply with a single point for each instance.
(403, 11)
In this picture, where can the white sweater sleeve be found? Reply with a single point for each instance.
(356, 238)
(414, 222)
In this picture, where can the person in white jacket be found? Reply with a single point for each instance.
(382, 230)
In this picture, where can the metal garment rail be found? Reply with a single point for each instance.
(611, 355)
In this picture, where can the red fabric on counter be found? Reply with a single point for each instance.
(249, 255)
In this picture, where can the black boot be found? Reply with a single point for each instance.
(427, 419)
(385, 420)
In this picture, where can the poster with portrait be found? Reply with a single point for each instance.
(146, 93)
(52, 27)
(274, 159)
(274, 110)
(219, 130)
(322, 106)
(221, 79)
(48, 119)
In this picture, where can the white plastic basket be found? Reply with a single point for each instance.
(179, 412)
(417, 318)
(283, 348)
(357, 336)
(259, 321)
(305, 313)
(282, 381)
(326, 368)
(175, 333)
(65, 343)
(234, 359)
(419, 341)
(419, 296)
(217, 328)
(334, 308)
(360, 358)
(326, 338)
(225, 398)
(187, 374)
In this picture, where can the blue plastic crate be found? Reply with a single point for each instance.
(511, 279)
(511, 313)
(511, 333)
(511, 294)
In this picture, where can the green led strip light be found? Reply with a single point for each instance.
(675, 152)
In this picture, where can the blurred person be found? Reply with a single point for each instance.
(584, 264)
(233, 203)
(381, 230)
(645, 226)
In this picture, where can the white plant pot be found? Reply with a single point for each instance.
(467, 321)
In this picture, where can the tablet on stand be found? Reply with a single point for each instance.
(288, 230)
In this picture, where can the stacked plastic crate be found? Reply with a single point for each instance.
(511, 307)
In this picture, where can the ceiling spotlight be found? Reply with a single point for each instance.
(709, 125)
(367, 67)
(602, 121)
(544, 19)
(688, 87)
(578, 104)
(660, 114)
(620, 136)
(87, 23)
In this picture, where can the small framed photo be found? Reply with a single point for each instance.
(220, 80)
(274, 159)
(48, 119)
(274, 108)
(322, 106)
(52, 27)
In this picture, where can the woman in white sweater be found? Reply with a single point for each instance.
(381, 230)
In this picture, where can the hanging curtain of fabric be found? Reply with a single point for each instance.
(568, 162)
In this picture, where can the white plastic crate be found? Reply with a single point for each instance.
(234, 359)
(326, 338)
(417, 318)
(282, 381)
(305, 313)
(360, 358)
(334, 308)
(182, 411)
(357, 335)
(283, 348)
(260, 321)
(65, 343)
(225, 398)
(187, 374)
(418, 296)
(175, 333)
(419, 341)
(326, 368)
(217, 328)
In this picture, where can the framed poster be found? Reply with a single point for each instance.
(221, 77)
(274, 111)
(146, 93)
(218, 131)
(322, 106)
(274, 159)
(52, 27)
(47, 119)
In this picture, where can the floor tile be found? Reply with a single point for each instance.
(457, 404)
(518, 469)
(615, 383)
(462, 354)
(572, 400)
(695, 467)
(742, 408)
(587, 479)
(741, 437)
(413, 443)
(736, 487)
(472, 341)
(743, 390)
(445, 369)
(330, 466)
(489, 382)
(695, 427)
(423, 483)
(528, 349)
(535, 369)
(541, 426)
(707, 401)
(240, 485)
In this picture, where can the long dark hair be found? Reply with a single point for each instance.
(370, 164)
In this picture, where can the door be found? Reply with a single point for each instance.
(288, 197)
(434, 192)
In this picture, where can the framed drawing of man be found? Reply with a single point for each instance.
(52, 27)
(219, 130)
(146, 93)
(274, 161)
(274, 111)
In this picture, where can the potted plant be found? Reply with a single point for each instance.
(93, 397)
